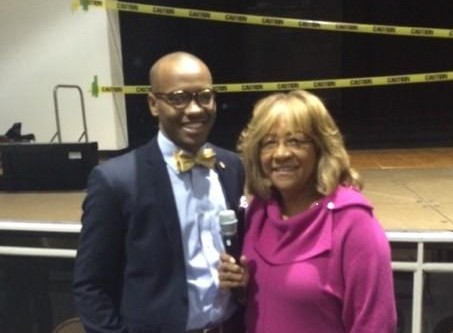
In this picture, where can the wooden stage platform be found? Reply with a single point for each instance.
(411, 189)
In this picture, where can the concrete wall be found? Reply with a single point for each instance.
(46, 43)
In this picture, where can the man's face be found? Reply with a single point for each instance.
(182, 102)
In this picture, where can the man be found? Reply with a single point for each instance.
(150, 240)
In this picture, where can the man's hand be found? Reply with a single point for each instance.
(232, 274)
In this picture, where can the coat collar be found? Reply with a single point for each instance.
(301, 237)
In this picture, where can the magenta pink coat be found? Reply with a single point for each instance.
(326, 270)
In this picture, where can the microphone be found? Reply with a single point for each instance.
(228, 229)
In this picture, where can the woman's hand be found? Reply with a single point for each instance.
(232, 274)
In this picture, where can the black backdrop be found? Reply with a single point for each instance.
(415, 115)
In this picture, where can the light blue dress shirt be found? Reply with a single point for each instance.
(199, 199)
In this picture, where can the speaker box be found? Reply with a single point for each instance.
(62, 166)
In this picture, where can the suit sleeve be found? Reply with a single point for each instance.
(100, 258)
(369, 300)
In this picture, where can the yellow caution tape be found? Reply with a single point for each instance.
(270, 20)
(291, 85)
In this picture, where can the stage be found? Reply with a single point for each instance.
(410, 190)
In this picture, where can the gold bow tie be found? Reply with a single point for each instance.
(185, 161)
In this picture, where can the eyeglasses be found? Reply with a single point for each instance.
(295, 142)
(180, 99)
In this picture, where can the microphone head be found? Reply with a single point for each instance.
(228, 222)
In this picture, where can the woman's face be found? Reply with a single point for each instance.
(289, 160)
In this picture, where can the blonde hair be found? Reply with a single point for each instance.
(304, 112)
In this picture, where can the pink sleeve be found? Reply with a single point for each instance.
(369, 298)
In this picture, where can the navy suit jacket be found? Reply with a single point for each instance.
(129, 271)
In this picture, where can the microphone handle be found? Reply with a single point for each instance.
(232, 246)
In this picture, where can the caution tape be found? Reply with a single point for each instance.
(282, 22)
(291, 85)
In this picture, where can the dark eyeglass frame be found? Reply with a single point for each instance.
(187, 97)
(293, 142)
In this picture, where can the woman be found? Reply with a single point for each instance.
(316, 259)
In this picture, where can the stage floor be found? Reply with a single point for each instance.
(411, 189)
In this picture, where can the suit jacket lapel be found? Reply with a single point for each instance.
(222, 171)
(161, 191)
(232, 194)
